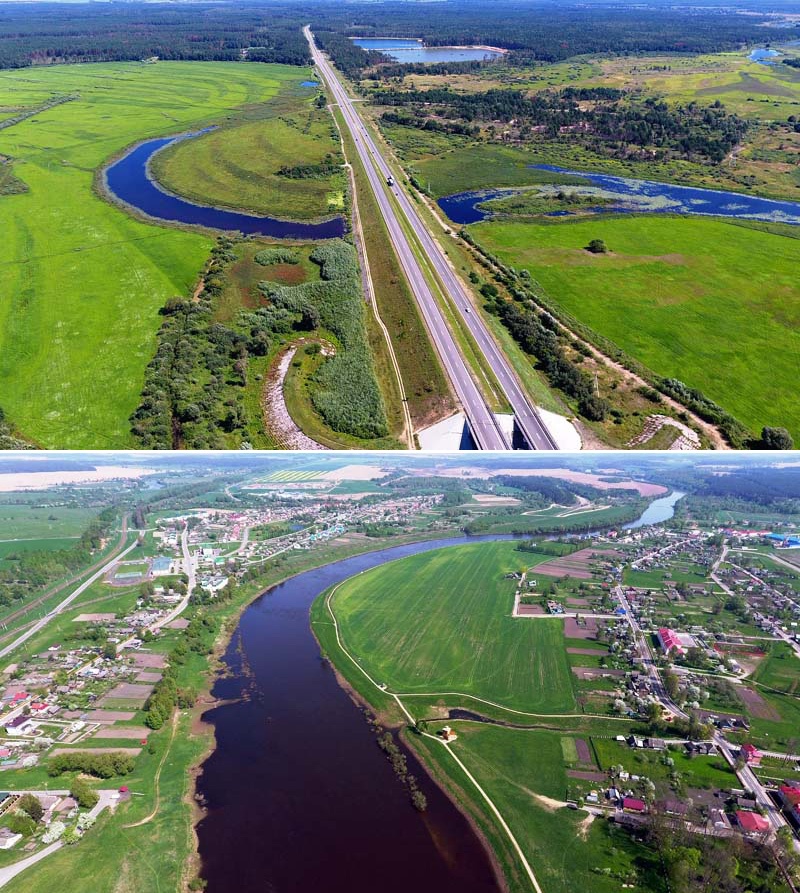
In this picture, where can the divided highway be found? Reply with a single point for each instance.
(484, 427)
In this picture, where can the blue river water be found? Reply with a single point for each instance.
(657, 512)
(409, 49)
(763, 56)
(638, 196)
(129, 181)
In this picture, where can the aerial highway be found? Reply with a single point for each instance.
(482, 422)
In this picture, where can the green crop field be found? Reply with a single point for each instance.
(441, 622)
(780, 669)
(15, 547)
(713, 304)
(81, 281)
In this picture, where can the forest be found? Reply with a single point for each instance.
(271, 31)
(113, 32)
(547, 32)
(604, 119)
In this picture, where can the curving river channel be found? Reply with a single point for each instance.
(627, 195)
(297, 794)
(130, 182)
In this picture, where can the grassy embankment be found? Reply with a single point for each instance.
(83, 280)
(426, 387)
(279, 158)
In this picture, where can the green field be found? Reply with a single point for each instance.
(29, 522)
(697, 772)
(780, 669)
(81, 281)
(713, 304)
(440, 622)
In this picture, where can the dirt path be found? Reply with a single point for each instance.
(276, 413)
(157, 777)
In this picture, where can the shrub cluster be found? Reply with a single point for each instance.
(193, 395)
(277, 256)
(101, 765)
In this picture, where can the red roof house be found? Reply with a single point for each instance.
(791, 794)
(669, 641)
(633, 804)
(752, 822)
(751, 754)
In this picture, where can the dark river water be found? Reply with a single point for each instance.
(129, 181)
(628, 195)
(299, 797)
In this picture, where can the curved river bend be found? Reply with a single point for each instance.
(298, 795)
(128, 179)
(631, 196)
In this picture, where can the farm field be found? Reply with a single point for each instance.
(686, 297)
(78, 322)
(780, 669)
(452, 630)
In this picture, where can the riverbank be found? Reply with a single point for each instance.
(229, 620)
(127, 181)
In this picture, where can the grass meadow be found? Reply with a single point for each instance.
(441, 622)
(714, 304)
(81, 281)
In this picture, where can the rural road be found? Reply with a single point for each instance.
(483, 425)
(8, 872)
(63, 605)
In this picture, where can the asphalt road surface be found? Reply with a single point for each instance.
(484, 427)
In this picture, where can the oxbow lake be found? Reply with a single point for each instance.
(297, 794)
(128, 180)
(629, 195)
(657, 512)
(410, 49)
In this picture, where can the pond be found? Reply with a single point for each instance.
(763, 56)
(410, 49)
(629, 195)
(129, 181)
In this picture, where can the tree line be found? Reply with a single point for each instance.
(613, 122)
(547, 32)
(82, 32)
